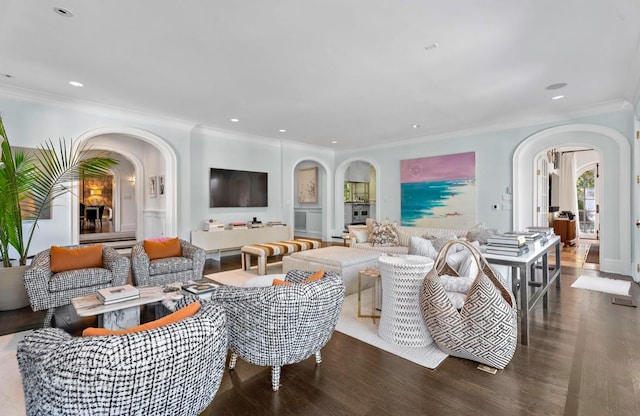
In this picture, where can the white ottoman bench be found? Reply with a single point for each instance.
(345, 261)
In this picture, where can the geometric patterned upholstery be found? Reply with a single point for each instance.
(49, 290)
(485, 329)
(159, 272)
(285, 324)
(170, 370)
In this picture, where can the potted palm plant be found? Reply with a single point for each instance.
(30, 183)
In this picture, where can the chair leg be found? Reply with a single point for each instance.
(232, 360)
(48, 318)
(318, 357)
(275, 378)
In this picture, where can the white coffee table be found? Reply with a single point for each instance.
(121, 315)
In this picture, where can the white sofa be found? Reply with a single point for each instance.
(404, 234)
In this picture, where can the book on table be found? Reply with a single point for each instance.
(200, 287)
(110, 295)
(548, 231)
(507, 240)
(506, 251)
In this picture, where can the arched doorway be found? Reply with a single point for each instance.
(614, 150)
(356, 189)
(135, 145)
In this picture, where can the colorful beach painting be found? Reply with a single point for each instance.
(439, 191)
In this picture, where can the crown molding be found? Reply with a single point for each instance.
(585, 111)
(91, 107)
(256, 139)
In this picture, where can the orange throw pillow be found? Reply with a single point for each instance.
(64, 259)
(178, 315)
(317, 275)
(161, 249)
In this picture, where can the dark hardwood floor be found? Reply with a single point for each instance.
(583, 359)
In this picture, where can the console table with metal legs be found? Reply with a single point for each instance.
(523, 276)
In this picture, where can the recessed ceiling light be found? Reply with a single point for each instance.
(556, 86)
(432, 46)
(557, 97)
(63, 12)
(416, 126)
(282, 131)
(76, 83)
(334, 141)
(234, 120)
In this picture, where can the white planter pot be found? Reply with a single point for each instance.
(12, 292)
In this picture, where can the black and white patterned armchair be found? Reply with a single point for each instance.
(171, 370)
(49, 290)
(278, 325)
(159, 272)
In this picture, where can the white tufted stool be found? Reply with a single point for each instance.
(401, 321)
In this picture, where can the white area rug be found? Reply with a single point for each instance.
(11, 393)
(363, 329)
(366, 330)
(239, 277)
(603, 284)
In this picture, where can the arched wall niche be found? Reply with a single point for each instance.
(324, 193)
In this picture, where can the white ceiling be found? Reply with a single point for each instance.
(354, 71)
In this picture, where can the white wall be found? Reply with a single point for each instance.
(31, 119)
(494, 154)
(213, 148)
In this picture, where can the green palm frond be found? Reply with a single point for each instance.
(33, 182)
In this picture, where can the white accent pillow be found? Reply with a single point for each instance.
(469, 267)
(362, 236)
(456, 259)
(422, 247)
(460, 284)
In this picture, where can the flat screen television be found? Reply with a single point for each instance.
(237, 188)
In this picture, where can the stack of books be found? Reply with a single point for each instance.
(117, 294)
(238, 225)
(530, 237)
(545, 233)
(507, 244)
(213, 225)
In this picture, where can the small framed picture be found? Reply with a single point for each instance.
(161, 185)
(153, 186)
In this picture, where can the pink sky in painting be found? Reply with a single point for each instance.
(437, 168)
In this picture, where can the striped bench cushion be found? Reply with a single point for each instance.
(281, 247)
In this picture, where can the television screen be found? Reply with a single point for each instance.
(237, 188)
